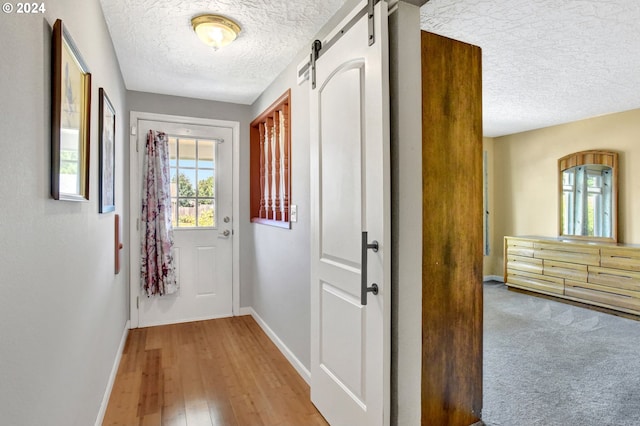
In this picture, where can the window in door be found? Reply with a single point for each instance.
(192, 167)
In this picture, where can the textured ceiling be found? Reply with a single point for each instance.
(159, 52)
(545, 62)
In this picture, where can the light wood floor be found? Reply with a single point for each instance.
(218, 372)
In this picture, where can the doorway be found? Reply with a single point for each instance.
(204, 180)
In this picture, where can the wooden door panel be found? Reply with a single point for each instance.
(452, 232)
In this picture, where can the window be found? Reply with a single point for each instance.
(192, 166)
(271, 165)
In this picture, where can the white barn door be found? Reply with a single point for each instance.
(350, 203)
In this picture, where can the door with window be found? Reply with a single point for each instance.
(200, 161)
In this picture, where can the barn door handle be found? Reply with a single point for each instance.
(364, 285)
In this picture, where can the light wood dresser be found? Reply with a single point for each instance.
(602, 274)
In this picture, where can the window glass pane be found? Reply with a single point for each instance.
(187, 149)
(205, 183)
(206, 154)
(186, 213)
(206, 213)
(174, 212)
(192, 169)
(174, 182)
(173, 151)
(186, 183)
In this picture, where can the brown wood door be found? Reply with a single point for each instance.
(452, 232)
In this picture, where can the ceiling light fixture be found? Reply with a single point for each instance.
(215, 30)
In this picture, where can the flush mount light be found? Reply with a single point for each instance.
(215, 30)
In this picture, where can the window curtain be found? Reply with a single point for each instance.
(158, 269)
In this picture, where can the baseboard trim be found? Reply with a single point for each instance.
(112, 376)
(288, 354)
(498, 278)
(184, 320)
(245, 311)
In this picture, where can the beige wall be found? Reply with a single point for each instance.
(524, 176)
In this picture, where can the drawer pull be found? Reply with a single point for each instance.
(626, 277)
(603, 291)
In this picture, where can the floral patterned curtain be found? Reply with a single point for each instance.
(158, 270)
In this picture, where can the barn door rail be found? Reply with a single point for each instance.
(317, 47)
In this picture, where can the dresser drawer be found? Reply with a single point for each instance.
(518, 247)
(572, 271)
(599, 295)
(524, 264)
(535, 282)
(567, 253)
(615, 278)
(620, 258)
(596, 273)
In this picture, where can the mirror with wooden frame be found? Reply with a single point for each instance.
(588, 196)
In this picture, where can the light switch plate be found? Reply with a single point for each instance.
(294, 213)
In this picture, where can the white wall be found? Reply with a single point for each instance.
(62, 309)
(199, 108)
(406, 213)
(281, 269)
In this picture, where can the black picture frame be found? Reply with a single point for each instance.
(107, 131)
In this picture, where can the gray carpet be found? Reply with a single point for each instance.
(550, 363)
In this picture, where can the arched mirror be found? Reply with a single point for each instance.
(588, 189)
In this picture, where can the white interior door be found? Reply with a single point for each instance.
(202, 193)
(350, 342)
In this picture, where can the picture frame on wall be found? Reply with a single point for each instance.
(107, 132)
(70, 119)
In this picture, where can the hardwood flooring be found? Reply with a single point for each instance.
(217, 372)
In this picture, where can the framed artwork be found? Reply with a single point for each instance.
(107, 129)
(70, 119)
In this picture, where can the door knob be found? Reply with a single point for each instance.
(226, 232)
